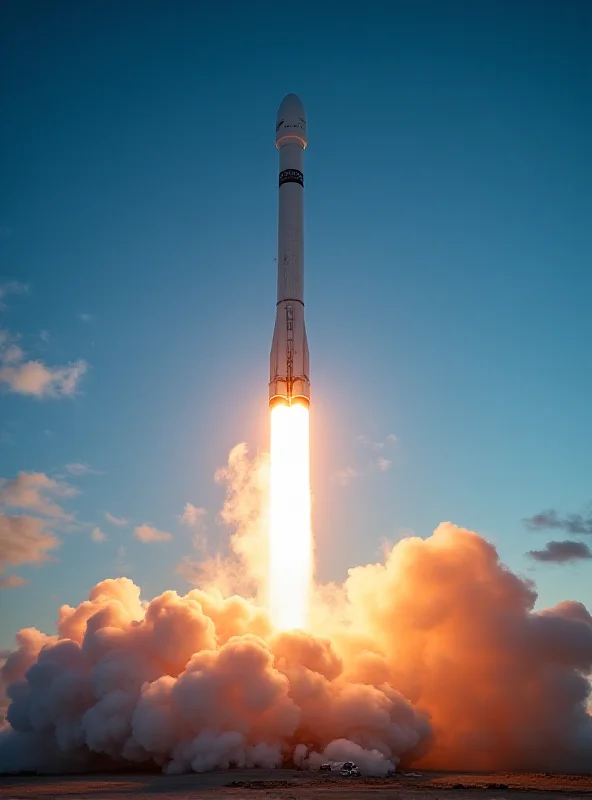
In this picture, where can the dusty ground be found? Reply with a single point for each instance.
(295, 785)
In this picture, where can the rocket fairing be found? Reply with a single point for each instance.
(289, 377)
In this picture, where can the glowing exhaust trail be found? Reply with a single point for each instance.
(290, 546)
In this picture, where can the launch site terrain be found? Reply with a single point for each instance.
(299, 785)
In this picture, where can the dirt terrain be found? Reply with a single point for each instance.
(298, 785)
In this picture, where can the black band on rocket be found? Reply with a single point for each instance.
(291, 176)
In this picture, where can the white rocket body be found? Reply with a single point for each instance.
(289, 377)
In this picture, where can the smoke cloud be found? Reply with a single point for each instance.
(239, 565)
(434, 657)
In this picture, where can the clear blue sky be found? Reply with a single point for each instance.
(448, 269)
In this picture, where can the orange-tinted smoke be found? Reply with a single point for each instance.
(434, 657)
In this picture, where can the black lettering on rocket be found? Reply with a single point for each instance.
(291, 176)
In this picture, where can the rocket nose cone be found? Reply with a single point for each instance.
(291, 106)
(290, 124)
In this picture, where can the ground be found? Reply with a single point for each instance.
(297, 785)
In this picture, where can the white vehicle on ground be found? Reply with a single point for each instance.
(345, 768)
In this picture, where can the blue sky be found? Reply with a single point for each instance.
(448, 280)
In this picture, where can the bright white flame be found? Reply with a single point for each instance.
(290, 538)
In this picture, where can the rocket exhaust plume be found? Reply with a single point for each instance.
(290, 538)
(290, 544)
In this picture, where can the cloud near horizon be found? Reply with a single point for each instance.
(550, 520)
(147, 533)
(562, 552)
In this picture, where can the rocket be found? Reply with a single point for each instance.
(289, 376)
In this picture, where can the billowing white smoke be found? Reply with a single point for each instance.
(191, 683)
(434, 657)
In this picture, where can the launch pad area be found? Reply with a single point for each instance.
(297, 785)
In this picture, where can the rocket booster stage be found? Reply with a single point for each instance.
(289, 379)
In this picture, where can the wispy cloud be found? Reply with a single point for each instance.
(562, 552)
(85, 317)
(37, 379)
(192, 516)
(11, 287)
(35, 491)
(12, 582)
(121, 565)
(378, 447)
(24, 540)
(577, 524)
(98, 535)
(378, 459)
(27, 538)
(78, 469)
(33, 376)
(121, 522)
(346, 475)
(12, 354)
(147, 533)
